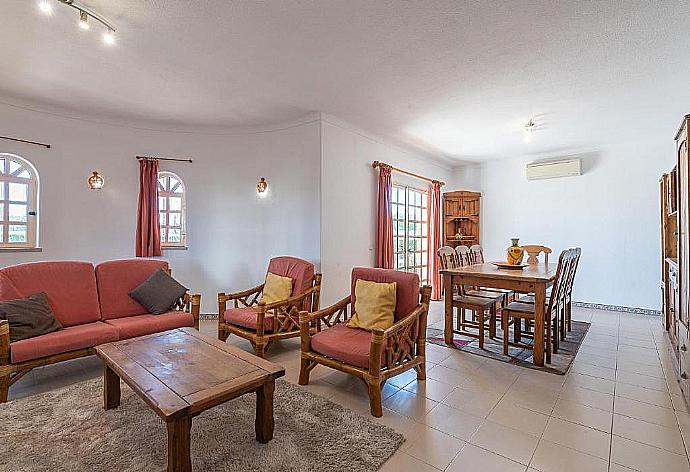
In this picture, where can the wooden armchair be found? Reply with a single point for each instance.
(261, 323)
(374, 356)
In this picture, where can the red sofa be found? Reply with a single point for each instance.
(93, 306)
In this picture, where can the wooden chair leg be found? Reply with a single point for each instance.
(557, 326)
(548, 341)
(4, 388)
(375, 405)
(421, 371)
(492, 322)
(568, 314)
(260, 350)
(504, 323)
(480, 320)
(517, 330)
(223, 335)
(304, 370)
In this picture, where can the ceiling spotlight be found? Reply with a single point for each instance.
(530, 126)
(83, 20)
(109, 37)
(45, 7)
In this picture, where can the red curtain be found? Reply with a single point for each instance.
(148, 221)
(384, 222)
(434, 229)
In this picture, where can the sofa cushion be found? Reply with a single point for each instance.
(348, 345)
(141, 325)
(29, 317)
(276, 288)
(69, 285)
(159, 293)
(246, 318)
(117, 278)
(375, 305)
(407, 287)
(68, 339)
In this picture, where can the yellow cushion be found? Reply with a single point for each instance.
(276, 288)
(374, 305)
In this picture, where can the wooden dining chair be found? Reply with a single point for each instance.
(534, 251)
(471, 301)
(522, 310)
(464, 254)
(477, 257)
(567, 322)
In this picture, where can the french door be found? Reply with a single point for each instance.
(410, 225)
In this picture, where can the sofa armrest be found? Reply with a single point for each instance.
(331, 315)
(249, 297)
(4, 342)
(192, 304)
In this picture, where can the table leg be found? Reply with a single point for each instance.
(539, 315)
(264, 412)
(111, 388)
(480, 319)
(448, 299)
(179, 457)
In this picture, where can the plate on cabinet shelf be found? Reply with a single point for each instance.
(506, 265)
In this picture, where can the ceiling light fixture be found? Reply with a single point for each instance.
(530, 128)
(95, 181)
(85, 13)
(109, 37)
(45, 7)
(83, 20)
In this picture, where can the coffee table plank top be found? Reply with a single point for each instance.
(182, 371)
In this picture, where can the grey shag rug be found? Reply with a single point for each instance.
(68, 430)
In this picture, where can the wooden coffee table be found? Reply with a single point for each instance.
(181, 373)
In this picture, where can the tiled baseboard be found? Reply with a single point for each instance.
(208, 316)
(624, 309)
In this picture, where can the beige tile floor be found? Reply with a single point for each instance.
(618, 409)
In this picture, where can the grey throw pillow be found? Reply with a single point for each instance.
(29, 317)
(159, 293)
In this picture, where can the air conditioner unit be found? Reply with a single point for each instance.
(553, 169)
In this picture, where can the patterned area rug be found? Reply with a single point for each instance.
(68, 430)
(493, 348)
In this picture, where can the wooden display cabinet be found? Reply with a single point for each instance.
(461, 213)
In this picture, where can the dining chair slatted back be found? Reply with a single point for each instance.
(476, 254)
(534, 250)
(448, 257)
(567, 322)
(464, 255)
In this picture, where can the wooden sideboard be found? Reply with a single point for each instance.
(461, 210)
(675, 256)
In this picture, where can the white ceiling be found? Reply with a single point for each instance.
(453, 79)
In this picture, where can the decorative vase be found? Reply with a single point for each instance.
(515, 253)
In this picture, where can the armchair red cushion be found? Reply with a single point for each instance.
(406, 291)
(69, 285)
(300, 271)
(348, 345)
(117, 278)
(246, 318)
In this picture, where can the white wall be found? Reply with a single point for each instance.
(611, 211)
(348, 199)
(231, 232)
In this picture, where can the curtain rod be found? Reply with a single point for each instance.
(376, 164)
(164, 159)
(25, 141)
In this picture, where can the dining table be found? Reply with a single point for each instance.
(534, 278)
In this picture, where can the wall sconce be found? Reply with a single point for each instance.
(261, 186)
(96, 181)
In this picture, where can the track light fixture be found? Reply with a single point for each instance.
(83, 20)
(46, 6)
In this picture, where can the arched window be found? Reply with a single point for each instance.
(171, 207)
(18, 202)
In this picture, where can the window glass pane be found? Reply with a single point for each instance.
(163, 235)
(2, 233)
(174, 235)
(2, 191)
(424, 197)
(25, 174)
(18, 192)
(17, 212)
(17, 234)
(163, 219)
(400, 263)
(172, 181)
(161, 203)
(2, 211)
(175, 203)
(2, 166)
(14, 166)
(175, 219)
